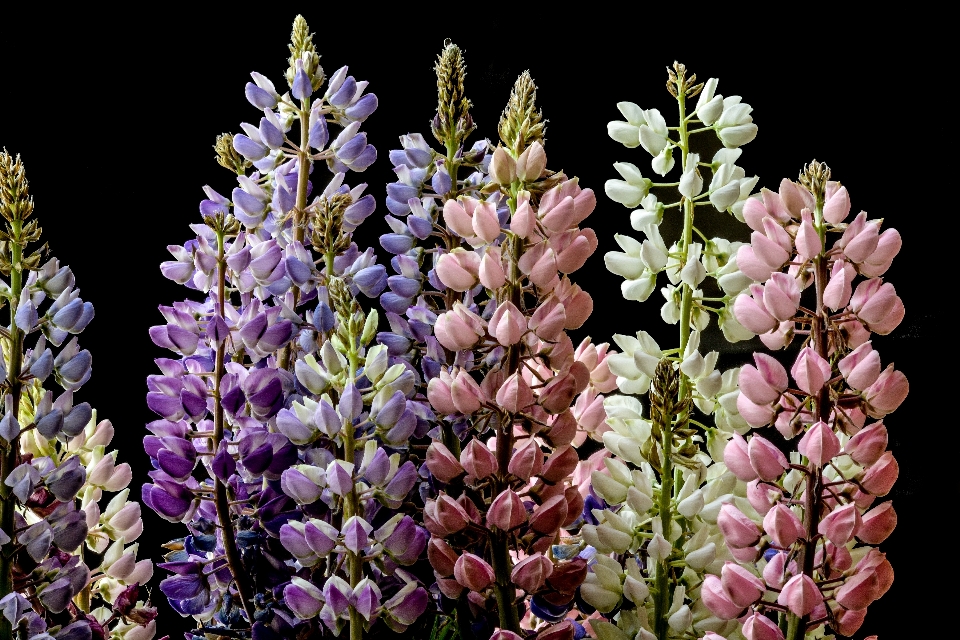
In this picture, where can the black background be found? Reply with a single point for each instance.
(115, 117)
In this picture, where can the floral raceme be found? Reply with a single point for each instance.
(805, 544)
(281, 436)
(485, 240)
(56, 465)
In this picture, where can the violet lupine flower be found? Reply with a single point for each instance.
(58, 465)
(663, 479)
(809, 531)
(276, 416)
(497, 365)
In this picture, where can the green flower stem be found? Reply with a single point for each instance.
(240, 575)
(10, 455)
(299, 222)
(351, 502)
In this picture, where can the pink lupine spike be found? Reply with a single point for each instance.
(819, 444)
(800, 594)
(877, 524)
(506, 511)
(861, 367)
(880, 477)
(459, 328)
(751, 265)
(715, 598)
(887, 393)
(783, 526)
(766, 459)
(491, 272)
(756, 415)
(774, 205)
(841, 524)
(478, 460)
(836, 207)
(810, 371)
(754, 211)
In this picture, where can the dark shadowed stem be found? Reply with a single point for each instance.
(796, 625)
(231, 551)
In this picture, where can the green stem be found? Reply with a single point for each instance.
(351, 502)
(10, 455)
(232, 552)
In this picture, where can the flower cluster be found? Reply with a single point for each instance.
(274, 396)
(805, 541)
(55, 464)
(656, 488)
(486, 326)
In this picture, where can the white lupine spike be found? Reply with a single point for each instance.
(608, 488)
(639, 501)
(632, 112)
(650, 213)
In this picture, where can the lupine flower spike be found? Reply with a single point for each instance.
(275, 394)
(56, 467)
(486, 326)
(805, 544)
(657, 486)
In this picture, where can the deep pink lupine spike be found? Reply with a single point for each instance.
(841, 524)
(742, 587)
(473, 572)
